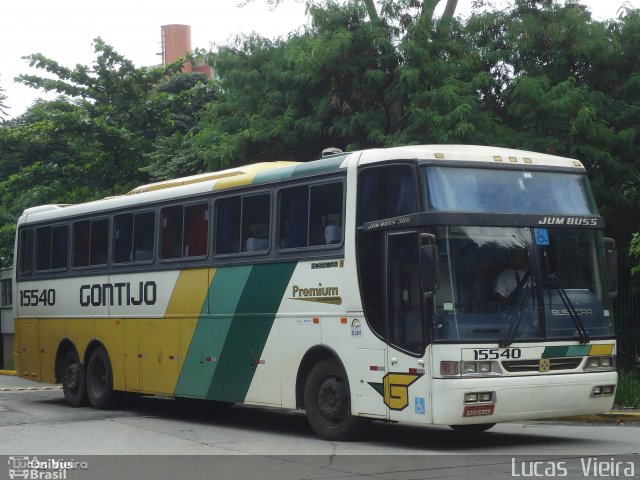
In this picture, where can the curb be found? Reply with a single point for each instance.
(616, 416)
(8, 372)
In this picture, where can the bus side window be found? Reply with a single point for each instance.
(51, 247)
(134, 238)
(256, 210)
(228, 225)
(325, 217)
(196, 230)
(386, 192)
(294, 217)
(90, 243)
(171, 221)
(25, 254)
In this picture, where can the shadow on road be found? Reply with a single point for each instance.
(294, 424)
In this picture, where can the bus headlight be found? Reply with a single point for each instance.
(600, 363)
(481, 368)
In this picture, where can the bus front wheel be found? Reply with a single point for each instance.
(100, 379)
(326, 400)
(73, 379)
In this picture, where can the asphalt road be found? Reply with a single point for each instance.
(261, 443)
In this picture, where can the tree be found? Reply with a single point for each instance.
(95, 139)
(3, 106)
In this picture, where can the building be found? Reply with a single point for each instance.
(176, 43)
(7, 337)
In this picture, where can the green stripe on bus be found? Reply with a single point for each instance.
(554, 352)
(249, 330)
(578, 350)
(274, 175)
(325, 165)
(203, 356)
(566, 351)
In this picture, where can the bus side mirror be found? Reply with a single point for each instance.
(429, 274)
(611, 255)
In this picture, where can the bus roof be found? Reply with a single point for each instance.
(468, 153)
(268, 172)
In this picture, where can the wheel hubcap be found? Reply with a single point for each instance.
(332, 400)
(71, 376)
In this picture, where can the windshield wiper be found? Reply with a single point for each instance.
(575, 318)
(515, 317)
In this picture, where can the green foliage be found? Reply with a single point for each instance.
(98, 138)
(628, 389)
(3, 106)
(540, 75)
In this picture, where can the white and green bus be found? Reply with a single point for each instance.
(443, 284)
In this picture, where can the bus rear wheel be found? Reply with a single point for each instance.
(326, 400)
(100, 379)
(473, 428)
(73, 379)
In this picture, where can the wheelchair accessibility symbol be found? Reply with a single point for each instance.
(420, 408)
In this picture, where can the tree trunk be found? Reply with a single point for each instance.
(371, 10)
(450, 10)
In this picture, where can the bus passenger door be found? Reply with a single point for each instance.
(406, 383)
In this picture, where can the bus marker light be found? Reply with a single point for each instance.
(376, 368)
(449, 368)
(316, 320)
(416, 371)
(497, 158)
(343, 320)
(117, 322)
(527, 160)
(513, 159)
(439, 155)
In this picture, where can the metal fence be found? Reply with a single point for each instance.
(626, 310)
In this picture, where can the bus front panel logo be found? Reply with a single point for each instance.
(395, 389)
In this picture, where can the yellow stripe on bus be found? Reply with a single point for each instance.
(606, 349)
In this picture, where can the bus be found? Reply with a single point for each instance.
(438, 284)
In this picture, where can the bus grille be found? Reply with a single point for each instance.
(534, 365)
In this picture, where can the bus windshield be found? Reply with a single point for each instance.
(493, 279)
(487, 190)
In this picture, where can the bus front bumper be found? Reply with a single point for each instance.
(520, 398)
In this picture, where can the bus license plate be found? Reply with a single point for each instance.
(478, 410)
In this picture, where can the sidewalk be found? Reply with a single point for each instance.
(618, 415)
(11, 383)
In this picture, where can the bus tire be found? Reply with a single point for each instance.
(473, 428)
(327, 402)
(73, 379)
(100, 379)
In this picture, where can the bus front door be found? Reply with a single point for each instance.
(406, 383)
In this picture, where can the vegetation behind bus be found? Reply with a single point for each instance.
(568, 87)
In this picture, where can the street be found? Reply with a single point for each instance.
(34, 420)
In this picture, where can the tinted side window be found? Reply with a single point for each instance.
(90, 242)
(196, 230)
(256, 211)
(242, 224)
(228, 225)
(311, 216)
(386, 192)
(25, 254)
(294, 217)
(134, 237)
(171, 237)
(325, 214)
(52, 247)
